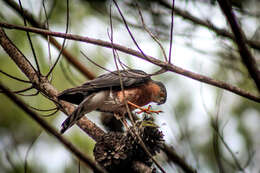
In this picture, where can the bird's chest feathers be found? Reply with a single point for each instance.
(139, 95)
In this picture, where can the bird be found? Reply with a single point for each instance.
(105, 94)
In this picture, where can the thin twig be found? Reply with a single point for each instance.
(216, 146)
(29, 95)
(127, 106)
(151, 34)
(119, 73)
(219, 31)
(50, 114)
(64, 41)
(238, 165)
(240, 39)
(128, 30)
(26, 14)
(8, 158)
(13, 77)
(85, 159)
(30, 40)
(47, 37)
(22, 90)
(125, 101)
(93, 62)
(215, 126)
(68, 77)
(171, 32)
(45, 87)
(28, 151)
(42, 110)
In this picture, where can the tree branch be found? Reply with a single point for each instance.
(43, 85)
(85, 159)
(165, 65)
(240, 40)
(175, 158)
(47, 89)
(28, 16)
(221, 32)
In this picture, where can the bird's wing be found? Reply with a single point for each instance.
(74, 95)
(90, 103)
(130, 78)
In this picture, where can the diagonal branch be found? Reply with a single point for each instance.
(166, 66)
(13, 77)
(219, 31)
(240, 40)
(48, 90)
(30, 40)
(28, 16)
(85, 159)
(175, 158)
(45, 87)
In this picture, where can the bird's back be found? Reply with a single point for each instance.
(130, 78)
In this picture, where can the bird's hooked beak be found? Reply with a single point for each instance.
(162, 94)
(161, 102)
(162, 98)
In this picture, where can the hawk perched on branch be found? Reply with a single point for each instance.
(105, 94)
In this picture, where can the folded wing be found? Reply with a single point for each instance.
(130, 78)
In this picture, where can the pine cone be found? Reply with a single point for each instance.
(116, 151)
(113, 151)
(152, 138)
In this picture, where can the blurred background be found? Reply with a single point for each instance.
(213, 129)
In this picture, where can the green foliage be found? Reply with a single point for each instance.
(83, 142)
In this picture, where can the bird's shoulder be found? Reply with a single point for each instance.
(129, 78)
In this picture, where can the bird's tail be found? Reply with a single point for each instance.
(70, 121)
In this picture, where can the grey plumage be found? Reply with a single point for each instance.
(86, 95)
(101, 94)
(130, 78)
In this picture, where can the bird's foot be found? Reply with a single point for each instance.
(148, 110)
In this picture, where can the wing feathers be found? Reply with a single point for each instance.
(90, 103)
(130, 78)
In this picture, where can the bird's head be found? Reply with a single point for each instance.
(161, 95)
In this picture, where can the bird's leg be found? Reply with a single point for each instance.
(146, 110)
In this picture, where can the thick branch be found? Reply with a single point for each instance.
(167, 66)
(175, 158)
(45, 87)
(221, 32)
(240, 40)
(29, 17)
(85, 159)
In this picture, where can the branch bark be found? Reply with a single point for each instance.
(240, 40)
(43, 85)
(85, 159)
(175, 158)
(219, 31)
(165, 65)
(29, 17)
